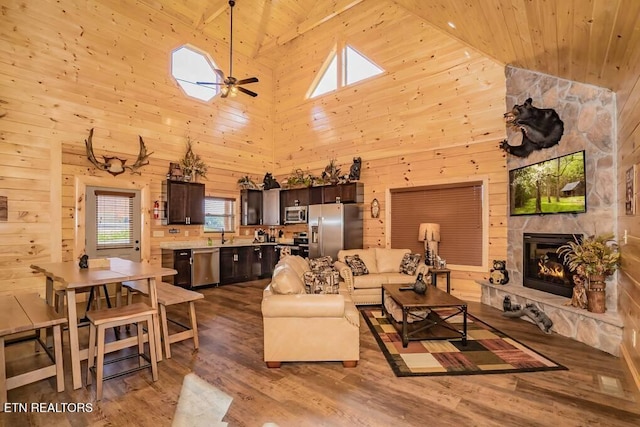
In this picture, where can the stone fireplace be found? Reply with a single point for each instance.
(588, 114)
(543, 268)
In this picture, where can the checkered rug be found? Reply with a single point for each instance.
(488, 351)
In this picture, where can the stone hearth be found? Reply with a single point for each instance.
(602, 331)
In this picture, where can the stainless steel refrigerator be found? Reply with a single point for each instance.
(333, 227)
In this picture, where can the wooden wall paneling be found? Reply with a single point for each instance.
(628, 151)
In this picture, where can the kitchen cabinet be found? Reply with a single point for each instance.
(185, 202)
(270, 257)
(352, 192)
(271, 207)
(251, 207)
(235, 264)
(180, 260)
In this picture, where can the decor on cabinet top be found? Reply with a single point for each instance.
(246, 183)
(192, 165)
(115, 165)
(269, 182)
(298, 179)
(540, 128)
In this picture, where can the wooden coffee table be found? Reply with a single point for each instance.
(409, 302)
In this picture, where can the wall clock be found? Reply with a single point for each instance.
(375, 208)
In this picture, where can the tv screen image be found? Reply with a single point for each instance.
(553, 186)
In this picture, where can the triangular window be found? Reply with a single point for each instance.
(343, 68)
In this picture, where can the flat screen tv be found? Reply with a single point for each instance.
(553, 186)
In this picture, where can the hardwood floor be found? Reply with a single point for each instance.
(596, 390)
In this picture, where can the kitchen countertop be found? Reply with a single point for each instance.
(199, 244)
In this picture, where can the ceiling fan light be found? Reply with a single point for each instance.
(224, 90)
(234, 90)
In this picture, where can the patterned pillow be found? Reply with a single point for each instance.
(409, 264)
(322, 281)
(318, 264)
(358, 268)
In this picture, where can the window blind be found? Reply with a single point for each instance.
(219, 214)
(114, 219)
(458, 210)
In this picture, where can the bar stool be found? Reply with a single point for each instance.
(100, 320)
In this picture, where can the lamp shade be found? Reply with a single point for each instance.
(429, 232)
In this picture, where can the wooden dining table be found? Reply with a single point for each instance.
(70, 277)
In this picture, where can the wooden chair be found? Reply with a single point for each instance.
(100, 320)
(169, 294)
(23, 313)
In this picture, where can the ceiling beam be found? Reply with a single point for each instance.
(332, 9)
(211, 13)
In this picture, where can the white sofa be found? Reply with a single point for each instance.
(301, 327)
(384, 267)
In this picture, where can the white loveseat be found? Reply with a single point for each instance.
(384, 267)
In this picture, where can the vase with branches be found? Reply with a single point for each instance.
(593, 260)
(192, 165)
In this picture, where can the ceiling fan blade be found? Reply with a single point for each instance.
(249, 80)
(209, 83)
(220, 73)
(248, 92)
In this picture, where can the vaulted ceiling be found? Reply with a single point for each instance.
(590, 41)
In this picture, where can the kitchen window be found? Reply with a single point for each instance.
(219, 214)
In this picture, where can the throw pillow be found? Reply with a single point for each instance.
(409, 264)
(317, 264)
(322, 281)
(357, 266)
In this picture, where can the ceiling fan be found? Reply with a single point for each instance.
(231, 85)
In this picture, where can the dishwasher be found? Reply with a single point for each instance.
(205, 267)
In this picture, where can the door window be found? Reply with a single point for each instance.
(113, 228)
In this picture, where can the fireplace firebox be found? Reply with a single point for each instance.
(544, 269)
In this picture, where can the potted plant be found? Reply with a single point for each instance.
(192, 165)
(594, 258)
(298, 179)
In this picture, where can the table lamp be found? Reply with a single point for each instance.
(429, 233)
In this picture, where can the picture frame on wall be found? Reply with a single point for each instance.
(630, 193)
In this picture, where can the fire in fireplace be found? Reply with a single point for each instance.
(544, 269)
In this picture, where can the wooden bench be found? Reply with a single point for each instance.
(23, 313)
(169, 294)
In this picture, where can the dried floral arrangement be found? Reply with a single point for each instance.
(192, 164)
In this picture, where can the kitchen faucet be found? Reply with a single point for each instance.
(222, 238)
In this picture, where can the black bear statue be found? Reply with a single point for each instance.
(540, 127)
(354, 172)
(269, 182)
(499, 274)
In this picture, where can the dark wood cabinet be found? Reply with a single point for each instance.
(235, 264)
(352, 192)
(316, 195)
(251, 207)
(180, 260)
(185, 202)
(270, 256)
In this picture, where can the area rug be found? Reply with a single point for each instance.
(488, 350)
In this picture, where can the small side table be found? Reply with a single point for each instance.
(434, 276)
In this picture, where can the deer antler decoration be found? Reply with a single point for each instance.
(114, 165)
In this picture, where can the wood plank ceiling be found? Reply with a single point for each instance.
(589, 41)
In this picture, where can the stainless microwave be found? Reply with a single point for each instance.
(295, 214)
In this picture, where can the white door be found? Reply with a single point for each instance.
(113, 223)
